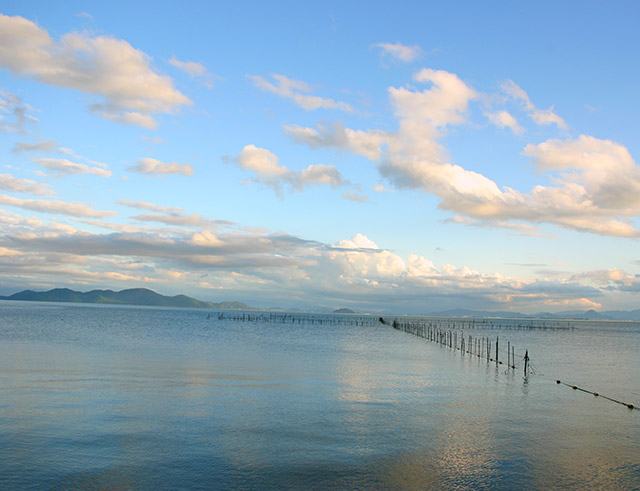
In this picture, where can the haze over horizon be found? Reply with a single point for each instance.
(418, 157)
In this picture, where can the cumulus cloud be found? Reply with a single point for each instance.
(445, 102)
(317, 174)
(358, 241)
(504, 119)
(54, 206)
(607, 278)
(366, 143)
(598, 184)
(193, 69)
(539, 116)
(65, 167)
(153, 166)
(279, 268)
(261, 161)
(131, 90)
(400, 52)
(297, 91)
(206, 238)
(595, 184)
(19, 185)
(266, 167)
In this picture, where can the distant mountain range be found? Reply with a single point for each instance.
(618, 315)
(132, 296)
(144, 296)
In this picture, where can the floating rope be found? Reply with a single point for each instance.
(597, 394)
(482, 348)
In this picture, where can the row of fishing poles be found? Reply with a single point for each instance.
(287, 318)
(367, 320)
(502, 324)
(480, 346)
(483, 348)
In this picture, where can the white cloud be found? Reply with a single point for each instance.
(539, 116)
(444, 103)
(595, 184)
(127, 117)
(14, 114)
(261, 161)
(280, 267)
(193, 69)
(366, 143)
(317, 174)
(206, 238)
(54, 206)
(176, 218)
(6, 252)
(40, 146)
(401, 52)
(412, 156)
(146, 205)
(168, 215)
(358, 241)
(18, 185)
(153, 166)
(504, 119)
(606, 278)
(111, 68)
(68, 167)
(355, 197)
(298, 92)
(266, 167)
(361, 260)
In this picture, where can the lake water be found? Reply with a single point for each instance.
(96, 397)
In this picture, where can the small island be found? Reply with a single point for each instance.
(344, 311)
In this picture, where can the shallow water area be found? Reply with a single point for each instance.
(98, 397)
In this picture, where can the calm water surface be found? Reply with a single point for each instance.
(137, 398)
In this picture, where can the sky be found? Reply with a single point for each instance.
(394, 156)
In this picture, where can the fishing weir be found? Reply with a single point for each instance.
(295, 318)
(446, 332)
(459, 323)
(446, 335)
(450, 335)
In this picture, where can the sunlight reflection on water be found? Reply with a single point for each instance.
(135, 398)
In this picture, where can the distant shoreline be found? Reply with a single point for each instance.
(237, 306)
(141, 297)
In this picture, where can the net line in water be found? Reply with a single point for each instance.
(446, 332)
(455, 339)
(483, 347)
(291, 318)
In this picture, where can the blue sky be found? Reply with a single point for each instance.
(409, 156)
